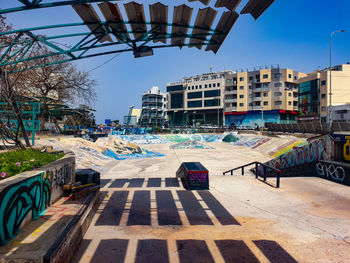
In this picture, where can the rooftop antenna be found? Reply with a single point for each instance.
(211, 68)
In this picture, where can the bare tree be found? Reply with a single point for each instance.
(61, 81)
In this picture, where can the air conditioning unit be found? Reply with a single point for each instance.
(144, 51)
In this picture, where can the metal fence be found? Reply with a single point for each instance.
(308, 127)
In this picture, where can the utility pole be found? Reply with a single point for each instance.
(330, 77)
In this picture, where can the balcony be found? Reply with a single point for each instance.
(230, 100)
(230, 109)
(257, 107)
(258, 90)
(230, 92)
(257, 98)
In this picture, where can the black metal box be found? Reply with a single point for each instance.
(87, 176)
(194, 176)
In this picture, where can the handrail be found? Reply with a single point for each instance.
(257, 172)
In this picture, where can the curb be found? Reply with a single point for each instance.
(68, 241)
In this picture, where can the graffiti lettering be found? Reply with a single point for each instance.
(331, 171)
(201, 177)
(62, 176)
(17, 200)
(312, 152)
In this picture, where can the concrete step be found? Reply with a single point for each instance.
(55, 235)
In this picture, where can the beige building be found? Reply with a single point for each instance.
(314, 92)
(197, 100)
(263, 95)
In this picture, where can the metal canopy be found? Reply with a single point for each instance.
(256, 7)
(159, 19)
(95, 37)
(88, 14)
(182, 17)
(136, 14)
(228, 19)
(229, 4)
(205, 19)
(112, 13)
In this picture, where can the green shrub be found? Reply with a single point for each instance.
(15, 162)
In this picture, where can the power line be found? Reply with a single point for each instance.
(116, 55)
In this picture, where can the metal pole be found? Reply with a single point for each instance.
(330, 77)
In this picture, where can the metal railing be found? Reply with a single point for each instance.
(264, 175)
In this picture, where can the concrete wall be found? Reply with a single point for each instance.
(25, 196)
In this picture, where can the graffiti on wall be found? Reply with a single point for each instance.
(334, 172)
(314, 151)
(62, 175)
(18, 200)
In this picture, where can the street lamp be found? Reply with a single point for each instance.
(330, 76)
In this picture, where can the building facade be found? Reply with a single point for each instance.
(262, 95)
(315, 89)
(154, 105)
(197, 100)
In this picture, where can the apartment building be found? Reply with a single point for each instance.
(154, 105)
(314, 92)
(267, 94)
(197, 100)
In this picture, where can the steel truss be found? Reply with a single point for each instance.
(17, 53)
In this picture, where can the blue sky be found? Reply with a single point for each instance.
(292, 33)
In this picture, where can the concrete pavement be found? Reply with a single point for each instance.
(145, 216)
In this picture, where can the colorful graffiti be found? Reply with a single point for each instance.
(247, 141)
(143, 139)
(190, 145)
(290, 148)
(143, 154)
(19, 199)
(314, 151)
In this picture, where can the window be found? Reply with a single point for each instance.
(194, 104)
(241, 87)
(211, 93)
(174, 88)
(278, 85)
(189, 88)
(213, 85)
(211, 103)
(229, 81)
(289, 103)
(196, 86)
(323, 82)
(241, 96)
(266, 103)
(250, 104)
(323, 108)
(250, 78)
(289, 76)
(218, 84)
(241, 104)
(265, 76)
(200, 86)
(177, 100)
(278, 93)
(241, 79)
(290, 94)
(266, 94)
(250, 87)
(205, 86)
(295, 77)
(194, 95)
(277, 75)
(209, 85)
(278, 102)
(323, 96)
